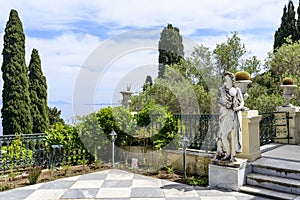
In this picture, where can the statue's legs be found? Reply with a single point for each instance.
(233, 145)
(219, 153)
(226, 144)
(226, 129)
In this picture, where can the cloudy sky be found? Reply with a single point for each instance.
(90, 50)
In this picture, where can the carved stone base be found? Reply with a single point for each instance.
(227, 175)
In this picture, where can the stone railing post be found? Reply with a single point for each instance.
(250, 135)
(294, 126)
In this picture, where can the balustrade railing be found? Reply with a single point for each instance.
(21, 151)
(201, 130)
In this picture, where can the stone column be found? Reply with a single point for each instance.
(250, 135)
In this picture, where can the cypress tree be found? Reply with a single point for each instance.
(170, 48)
(287, 27)
(298, 24)
(38, 94)
(148, 82)
(16, 117)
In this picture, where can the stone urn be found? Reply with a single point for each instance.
(242, 81)
(243, 85)
(288, 94)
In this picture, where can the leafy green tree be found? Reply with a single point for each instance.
(228, 55)
(118, 119)
(264, 93)
(38, 94)
(170, 48)
(287, 27)
(16, 117)
(54, 116)
(92, 136)
(286, 60)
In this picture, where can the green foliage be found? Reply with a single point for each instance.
(200, 181)
(170, 48)
(54, 116)
(260, 100)
(15, 149)
(228, 55)
(92, 136)
(68, 136)
(38, 94)
(167, 136)
(34, 174)
(118, 119)
(286, 60)
(16, 117)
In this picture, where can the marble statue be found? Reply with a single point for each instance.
(230, 100)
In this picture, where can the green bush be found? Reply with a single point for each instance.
(200, 181)
(34, 174)
(74, 152)
(16, 150)
(93, 136)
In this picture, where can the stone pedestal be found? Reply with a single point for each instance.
(228, 175)
(250, 135)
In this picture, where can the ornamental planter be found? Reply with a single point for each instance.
(288, 94)
(243, 85)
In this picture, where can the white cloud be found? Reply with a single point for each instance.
(61, 59)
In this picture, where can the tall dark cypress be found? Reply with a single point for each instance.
(16, 117)
(170, 48)
(38, 94)
(287, 27)
(298, 24)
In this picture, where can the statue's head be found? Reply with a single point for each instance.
(228, 76)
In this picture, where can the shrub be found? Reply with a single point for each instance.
(288, 81)
(73, 149)
(34, 174)
(242, 75)
(200, 181)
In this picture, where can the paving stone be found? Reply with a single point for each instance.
(81, 184)
(46, 194)
(57, 185)
(117, 183)
(114, 193)
(81, 193)
(93, 176)
(15, 194)
(146, 192)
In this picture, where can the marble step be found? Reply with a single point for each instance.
(287, 185)
(276, 167)
(268, 193)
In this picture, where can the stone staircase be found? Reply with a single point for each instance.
(274, 178)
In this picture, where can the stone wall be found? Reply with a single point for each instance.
(196, 162)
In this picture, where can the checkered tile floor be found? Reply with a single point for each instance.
(118, 185)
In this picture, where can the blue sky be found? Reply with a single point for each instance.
(67, 33)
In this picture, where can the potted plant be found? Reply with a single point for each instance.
(288, 90)
(242, 80)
